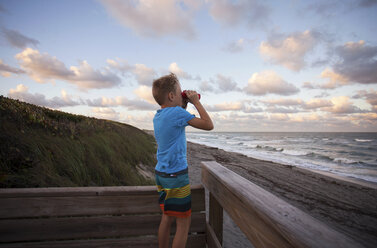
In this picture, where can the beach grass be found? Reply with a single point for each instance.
(41, 147)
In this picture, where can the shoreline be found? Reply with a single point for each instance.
(350, 179)
(348, 205)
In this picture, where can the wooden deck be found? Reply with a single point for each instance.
(129, 216)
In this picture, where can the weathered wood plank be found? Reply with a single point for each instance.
(193, 241)
(22, 207)
(80, 191)
(267, 220)
(216, 217)
(86, 227)
(212, 240)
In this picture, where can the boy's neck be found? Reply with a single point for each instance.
(168, 105)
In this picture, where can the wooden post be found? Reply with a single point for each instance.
(216, 217)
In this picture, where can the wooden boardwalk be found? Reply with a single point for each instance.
(129, 216)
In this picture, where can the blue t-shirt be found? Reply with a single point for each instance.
(169, 130)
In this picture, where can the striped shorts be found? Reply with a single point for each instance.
(175, 193)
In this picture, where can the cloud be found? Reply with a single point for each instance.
(289, 50)
(317, 103)
(120, 65)
(268, 82)
(21, 93)
(174, 68)
(143, 121)
(230, 13)
(106, 113)
(370, 96)
(367, 3)
(295, 105)
(225, 106)
(330, 8)
(17, 39)
(309, 85)
(335, 79)
(145, 93)
(358, 62)
(284, 110)
(6, 70)
(130, 104)
(144, 75)
(326, 8)
(43, 67)
(283, 102)
(155, 18)
(342, 105)
(279, 117)
(219, 85)
(206, 86)
(237, 46)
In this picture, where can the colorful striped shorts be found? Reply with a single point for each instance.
(175, 193)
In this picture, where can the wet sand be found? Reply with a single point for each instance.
(347, 205)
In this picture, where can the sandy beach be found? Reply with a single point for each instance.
(347, 205)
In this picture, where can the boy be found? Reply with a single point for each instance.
(171, 170)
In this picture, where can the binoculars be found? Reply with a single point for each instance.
(185, 96)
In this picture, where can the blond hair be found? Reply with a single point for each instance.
(163, 86)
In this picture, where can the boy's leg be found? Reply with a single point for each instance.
(183, 227)
(164, 231)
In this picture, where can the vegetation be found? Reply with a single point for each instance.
(40, 147)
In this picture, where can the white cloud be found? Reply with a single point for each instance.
(335, 79)
(342, 105)
(174, 68)
(120, 64)
(268, 82)
(130, 104)
(289, 50)
(143, 121)
(21, 93)
(317, 103)
(370, 96)
(279, 117)
(6, 70)
(17, 39)
(145, 93)
(42, 67)
(219, 85)
(284, 110)
(155, 17)
(230, 13)
(282, 102)
(225, 106)
(106, 113)
(144, 75)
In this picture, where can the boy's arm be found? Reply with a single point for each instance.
(204, 122)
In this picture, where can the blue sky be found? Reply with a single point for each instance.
(259, 65)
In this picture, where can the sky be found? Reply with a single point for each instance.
(260, 66)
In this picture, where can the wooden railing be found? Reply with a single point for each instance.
(89, 217)
(129, 216)
(266, 220)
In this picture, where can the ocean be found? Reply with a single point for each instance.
(345, 154)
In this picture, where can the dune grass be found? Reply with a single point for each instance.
(40, 147)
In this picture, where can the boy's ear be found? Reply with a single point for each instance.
(170, 96)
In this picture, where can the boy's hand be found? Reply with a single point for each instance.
(185, 102)
(192, 96)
